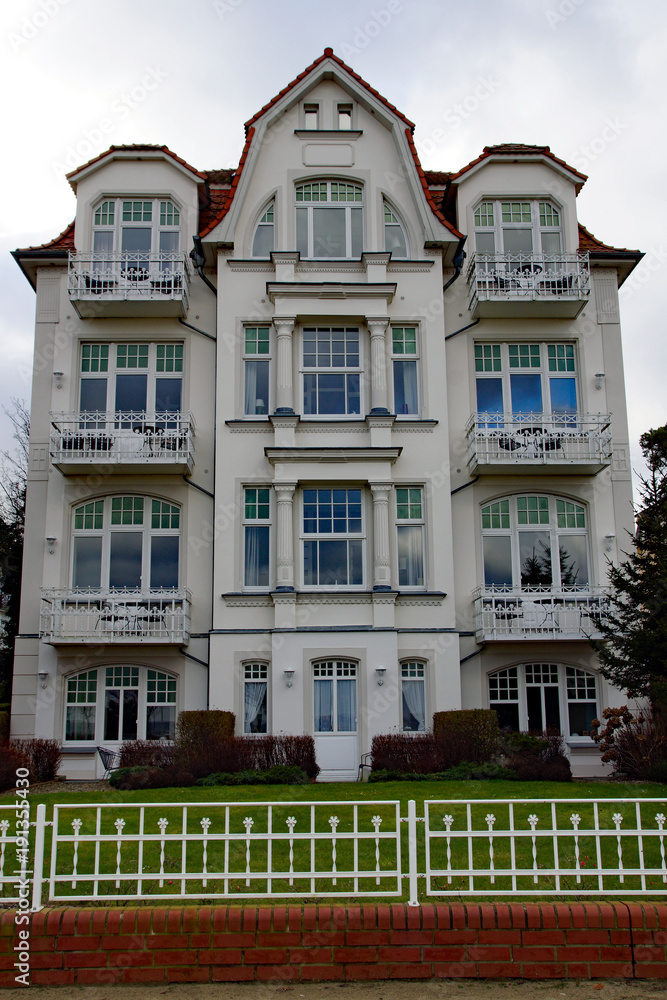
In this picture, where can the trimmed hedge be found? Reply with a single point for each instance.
(469, 734)
(281, 774)
(202, 740)
(462, 772)
(402, 752)
(41, 758)
(146, 753)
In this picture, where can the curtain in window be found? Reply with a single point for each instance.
(323, 706)
(347, 706)
(257, 556)
(405, 387)
(250, 387)
(410, 556)
(253, 702)
(413, 700)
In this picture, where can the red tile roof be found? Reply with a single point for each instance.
(63, 242)
(136, 148)
(218, 216)
(329, 54)
(429, 197)
(517, 149)
(596, 247)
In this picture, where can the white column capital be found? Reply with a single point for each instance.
(380, 492)
(377, 325)
(284, 325)
(284, 492)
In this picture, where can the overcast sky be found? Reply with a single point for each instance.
(586, 77)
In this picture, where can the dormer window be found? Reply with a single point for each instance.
(395, 240)
(329, 219)
(345, 117)
(311, 116)
(138, 229)
(263, 240)
(517, 227)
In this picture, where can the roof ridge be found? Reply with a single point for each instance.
(136, 147)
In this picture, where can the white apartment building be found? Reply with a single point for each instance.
(327, 470)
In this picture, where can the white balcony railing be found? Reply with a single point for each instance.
(106, 616)
(538, 277)
(579, 439)
(539, 612)
(129, 276)
(128, 438)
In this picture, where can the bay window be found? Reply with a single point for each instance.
(517, 227)
(331, 371)
(525, 381)
(117, 703)
(131, 379)
(329, 219)
(544, 696)
(535, 542)
(137, 228)
(332, 538)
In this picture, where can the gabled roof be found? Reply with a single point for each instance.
(516, 150)
(328, 54)
(135, 148)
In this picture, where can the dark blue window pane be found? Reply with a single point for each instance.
(405, 387)
(356, 563)
(131, 393)
(310, 577)
(333, 563)
(256, 556)
(125, 559)
(93, 394)
(497, 561)
(490, 399)
(87, 562)
(331, 394)
(563, 395)
(353, 395)
(309, 496)
(354, 496)
(164, 561)
(526, 393)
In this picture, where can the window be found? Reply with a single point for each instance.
(413, 697)
(331, 371)
(535, 541)
(256, 371)
(263, 241)
(395, 240)
(138, 229)
(117, 703)
(404, 365)
(257, 521)
(329, 219)
(130, 379)
(517, 227)
(126, 542)
(344, 117)
(311, 116)
(255, 681)
(335, 688)
(410, 535)
(526, 381)
(332, 538)
(542, 696)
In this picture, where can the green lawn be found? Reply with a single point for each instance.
(160, 863)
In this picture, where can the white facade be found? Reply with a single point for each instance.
(249, 470)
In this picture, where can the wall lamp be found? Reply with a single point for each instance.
(598, 379)
(289, 674)
(58, 379)
(380, 672)
(43, 674)
(51, 542)
(609, 542)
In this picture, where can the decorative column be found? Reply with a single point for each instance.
(378, 326)
(381, 561)
(285, 541)
(284, 390)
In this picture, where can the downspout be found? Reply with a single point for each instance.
(459, 257)
(198, 259)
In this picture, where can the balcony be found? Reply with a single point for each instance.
(127, 441)
(128, 284)
(115, 616)
(503, 614)
(500, 443)
(528, 285)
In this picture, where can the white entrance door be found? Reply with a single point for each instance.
(335, 715)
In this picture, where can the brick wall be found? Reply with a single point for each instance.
(311, 943)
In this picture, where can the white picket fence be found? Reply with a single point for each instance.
(300, 850)
(14, 855)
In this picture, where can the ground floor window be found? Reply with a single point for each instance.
(255, 685)
(118, 703)
(335, 688)
(541, 696)
(413, 697)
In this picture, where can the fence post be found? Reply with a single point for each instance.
(412, 853)
(38, 864)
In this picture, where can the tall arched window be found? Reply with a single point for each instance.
(126, 543)
(137, 228)
(395, 239)
(115, 703)
(543, 696)
(329, 219)
(263, 241)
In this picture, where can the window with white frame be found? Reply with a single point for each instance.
(524, 381)
(256, 370)
(329, 219)
(331, 371)
(263, 241)
(518, 227)
(126, 543)
(344, 112)
(395, 240)
(257, 536)
(535, 541)
(410, 535)
(255, 688)
(404, 368)
(335, 696)
(117, 703)
(333, 538)
(131, 379)
(311, 116)
(413, 696)
(543, 696)
(139, 229)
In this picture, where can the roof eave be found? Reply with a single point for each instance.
(30, 260)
